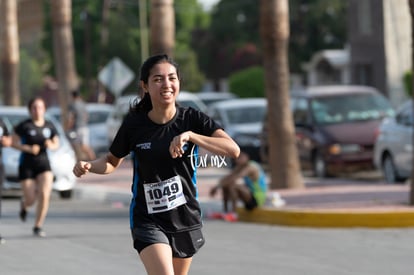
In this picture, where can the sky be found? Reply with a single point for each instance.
(207, 4)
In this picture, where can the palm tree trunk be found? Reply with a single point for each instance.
(10, 56)
(64, 51)
(411, 4)
(162, 27)
(283, 157)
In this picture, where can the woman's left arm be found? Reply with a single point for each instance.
(53, 143)
(219, 143)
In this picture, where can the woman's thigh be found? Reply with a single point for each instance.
(157, 259)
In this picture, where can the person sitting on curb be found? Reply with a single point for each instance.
(252, 193)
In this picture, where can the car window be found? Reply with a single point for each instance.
(214, 114)
(246, 115)
(189, 103)
(300, 111)
(192, 101)
(405, 117)
(14, 119)
(97, 117)
(349, 108)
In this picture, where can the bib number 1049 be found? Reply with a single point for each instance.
(164, 195)
(166, 191)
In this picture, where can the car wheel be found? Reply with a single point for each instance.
(389, 171)
(319, 166)
(66, 194)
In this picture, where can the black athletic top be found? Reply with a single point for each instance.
(164, 189)
(31, 134)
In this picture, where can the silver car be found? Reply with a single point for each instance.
(211, 97)
(120, 108)
(98, 115)
(62, 160)
(242, 119)
(393, 147)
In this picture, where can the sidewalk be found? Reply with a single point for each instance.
(340, 204)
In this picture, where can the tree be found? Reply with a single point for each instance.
(316, 25)
(284, 164)
(411, 4)
(10, 52)
(162, 27)
(63, 50)
(248, 82)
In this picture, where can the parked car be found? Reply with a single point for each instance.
(242, 119)
(335, 127)
(98, 115)
(62, 160)
(393, 150)
(122, 104)
(211, 97)
(120, 109)
(188, 99)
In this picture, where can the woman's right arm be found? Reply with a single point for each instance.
(26, 148)
(103, 165)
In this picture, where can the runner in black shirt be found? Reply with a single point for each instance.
(33, 137)
(5, 141)
(165, 215)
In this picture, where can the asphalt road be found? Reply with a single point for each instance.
(91, 237)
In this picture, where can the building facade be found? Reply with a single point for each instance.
(380, 45)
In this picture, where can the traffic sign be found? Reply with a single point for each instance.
(116, 76)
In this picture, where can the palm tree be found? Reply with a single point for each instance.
(10, 57)
(64, 51)
(283, 157)
(411, 4)
(162, 27)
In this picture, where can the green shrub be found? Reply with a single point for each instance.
(248, 82)
(408, 83)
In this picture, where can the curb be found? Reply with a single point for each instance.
(320, 218)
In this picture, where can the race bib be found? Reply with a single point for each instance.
(165, 195)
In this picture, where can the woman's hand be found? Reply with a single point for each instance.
(6, 141)
(52, 144)
(81, 168)
(35, 149)
(48, 143)
(177, 144)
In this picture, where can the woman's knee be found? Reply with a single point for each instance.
(157, 259)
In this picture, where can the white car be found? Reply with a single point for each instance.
(62, 160)
(122, 104)
(98, 133)
(98, 116)
(242, 119)
(393, 148)
(211, 97)
(120, 109)
(188, 99)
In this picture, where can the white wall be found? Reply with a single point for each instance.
(397, 39)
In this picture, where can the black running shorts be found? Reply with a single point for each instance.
(183, 244)
(32, 170)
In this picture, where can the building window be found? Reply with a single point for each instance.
(364, 17)
(363, 74)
